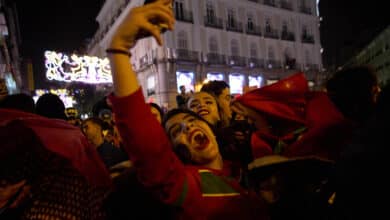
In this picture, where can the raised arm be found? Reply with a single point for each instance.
(138, 22)
(144, 139)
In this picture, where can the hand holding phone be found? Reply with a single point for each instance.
(163, 26)
(144, 21)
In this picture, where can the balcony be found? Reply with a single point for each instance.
(237, 61)
(234, 27)
(271, 33)
(215, 58)
(253, 30)
(255, 63)
(307, 39)
(270, 3)
(213, 22)
(286, 5)
(273, 64)
(287, 35)
(187, 55)
(305, 10)
(185, 16)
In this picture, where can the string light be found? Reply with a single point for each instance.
(87, 69)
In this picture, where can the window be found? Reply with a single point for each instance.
(151, 85)
(305, 33)
(307, 57)
(268, 25)
(234, 47)
(231, 18)
(289, 59)
(271, 53)
(179, 8)
(287, 53)
(210, 12)
(303, 4)
(284, 27)
(253, 50)
(182, 42)
(250, 25)
(213, 45)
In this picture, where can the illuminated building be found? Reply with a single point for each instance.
(376, 54)
(9, 47)
(245, 43)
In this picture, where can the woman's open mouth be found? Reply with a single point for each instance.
(203, 112)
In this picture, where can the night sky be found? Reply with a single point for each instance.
(347, 25)
(55, 25)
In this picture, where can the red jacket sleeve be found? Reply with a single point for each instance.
(148, 147)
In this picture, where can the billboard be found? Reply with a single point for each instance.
(185, 79)
(255, 81)
(236, 82)
(215, 76)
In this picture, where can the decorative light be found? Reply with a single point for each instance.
(87, 69)
(63, 94)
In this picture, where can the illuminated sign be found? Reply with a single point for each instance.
(64, 95)
(62, 67)
(215, 76)
(236, 82)
(255, 81)
(185, 79)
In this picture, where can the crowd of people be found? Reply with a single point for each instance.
(281, 151)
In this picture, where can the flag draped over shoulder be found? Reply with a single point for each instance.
(56, 136)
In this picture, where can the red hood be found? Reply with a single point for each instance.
(60, 137)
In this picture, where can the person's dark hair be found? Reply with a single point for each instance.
(159, 109)
(351, 90)
(22, 102)
(220, 123)
(215, 87)
(176, 111)
(97, 121)
(100, 105)
(181, 150)
(51, 106)
(71, 113)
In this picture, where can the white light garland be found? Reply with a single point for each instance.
(92, 70)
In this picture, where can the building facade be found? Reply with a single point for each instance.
(243, 42)
(10, 60)
(377, 55)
